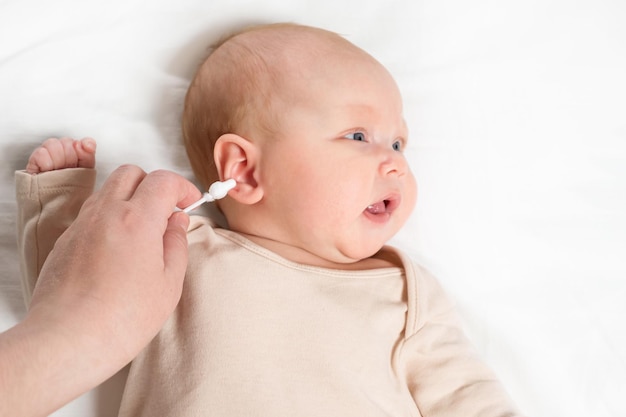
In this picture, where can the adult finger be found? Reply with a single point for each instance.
(175, 250)
(122, 183)
(163, 190)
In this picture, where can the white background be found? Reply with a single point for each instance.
(517, 113)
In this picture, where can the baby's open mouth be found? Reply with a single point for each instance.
(379, 207)
(384, 207)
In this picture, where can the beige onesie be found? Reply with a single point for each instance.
(258, 335)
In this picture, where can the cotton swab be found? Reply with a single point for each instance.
(217, 190)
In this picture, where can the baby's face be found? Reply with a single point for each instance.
(336, 173)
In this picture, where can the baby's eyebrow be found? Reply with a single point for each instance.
(404, 134)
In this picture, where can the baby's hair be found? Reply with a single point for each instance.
(237, 87)
(232, 92)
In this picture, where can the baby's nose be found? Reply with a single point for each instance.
(393, 163)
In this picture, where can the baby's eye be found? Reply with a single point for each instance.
(397, 146)
(360, 136)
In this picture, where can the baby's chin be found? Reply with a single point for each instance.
(358, 260)
(355, 256)
(371, 262)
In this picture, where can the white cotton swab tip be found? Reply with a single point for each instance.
(217, 190)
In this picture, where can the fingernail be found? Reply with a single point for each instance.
(89, 143)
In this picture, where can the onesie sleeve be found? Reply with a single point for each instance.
(444, 373)
(47, 203)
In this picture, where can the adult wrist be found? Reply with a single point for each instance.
(51, 357)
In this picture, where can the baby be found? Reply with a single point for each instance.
(298, 308)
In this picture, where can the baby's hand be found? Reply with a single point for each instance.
(62, 153)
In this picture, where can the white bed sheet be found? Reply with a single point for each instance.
(517, 112)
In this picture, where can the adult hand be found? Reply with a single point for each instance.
(104, 292)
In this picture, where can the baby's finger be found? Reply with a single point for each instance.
(56, 149)
(69, 158)
(39, 161)
(85, 152)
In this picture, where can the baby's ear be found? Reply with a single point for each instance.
(237, 158)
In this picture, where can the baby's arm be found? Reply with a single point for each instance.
(445, 375)
(62, 153)
(47, 203)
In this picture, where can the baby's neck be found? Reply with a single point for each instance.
(301, 256)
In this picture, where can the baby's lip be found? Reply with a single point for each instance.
(381, 210)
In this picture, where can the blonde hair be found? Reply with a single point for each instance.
(239, 86)
(232, 92)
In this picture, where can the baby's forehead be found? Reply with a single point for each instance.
(277, 55)
(282, 64)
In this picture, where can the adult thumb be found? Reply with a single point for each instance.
(175, 252)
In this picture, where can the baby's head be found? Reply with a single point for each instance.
(311, 128)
